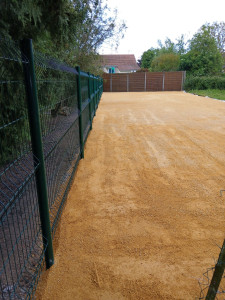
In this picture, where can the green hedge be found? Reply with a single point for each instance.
(204, 83)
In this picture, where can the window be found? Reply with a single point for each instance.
(112, 70)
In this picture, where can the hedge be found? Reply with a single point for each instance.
(204, 83)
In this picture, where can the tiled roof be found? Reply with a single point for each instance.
(124, 62)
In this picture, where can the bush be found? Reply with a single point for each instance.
(165, 62)
(204, 83)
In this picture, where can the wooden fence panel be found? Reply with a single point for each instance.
(106, 82)
(119, 82)
(136, 82)
(144, 81)
(154, 81)
(173, 81)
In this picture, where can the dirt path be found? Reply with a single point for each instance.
(144, 214)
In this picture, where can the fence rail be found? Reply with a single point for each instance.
(47, 109)
(144, 81)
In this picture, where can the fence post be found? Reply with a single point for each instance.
(183, 79)
(90, 98)
(80, 113)
(37, 148)
(102, 86)
(145, 82)
(94, 95)
(163, 83)
(217, 275)
(111, 83)
(127, 82)
(97, 89)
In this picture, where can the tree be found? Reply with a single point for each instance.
(217, 30)
(181, 45)
(98, 26)
(39, 20)
(167, 47)
(166, 62)
(203, 57)
(147, 57)
(68, 29)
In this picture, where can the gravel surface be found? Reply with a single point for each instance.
(144, 214)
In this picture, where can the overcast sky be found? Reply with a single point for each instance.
(151, 20)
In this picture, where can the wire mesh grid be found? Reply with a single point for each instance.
(57, 96)
(204, 284)
(10, 50)
(23, 247)
(210, 276)
(85, 107)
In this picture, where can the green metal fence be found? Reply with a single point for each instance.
(46, 113)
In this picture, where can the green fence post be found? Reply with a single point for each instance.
(80, 113)
(94, 88)
(98, 91)
(217, 275)
(102, 86)
(36, 140)
(91, 90)
(89, 96)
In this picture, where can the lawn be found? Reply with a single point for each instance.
(212, 93)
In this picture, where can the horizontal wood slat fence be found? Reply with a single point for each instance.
(144, 81)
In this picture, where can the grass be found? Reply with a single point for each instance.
(216, 94)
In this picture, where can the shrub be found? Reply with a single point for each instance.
(165, 62)
(204, 83)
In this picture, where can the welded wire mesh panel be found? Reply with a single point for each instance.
(57, 96)
(60, 166)
(92, 96)
(212, 278)
(58, 103)
(84, 88)
(85, 106)
(86, 121)
(21, 247)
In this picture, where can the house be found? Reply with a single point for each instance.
(119, 63)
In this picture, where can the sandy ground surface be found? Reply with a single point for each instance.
(144, 214)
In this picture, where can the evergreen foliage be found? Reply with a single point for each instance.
(72, 30)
